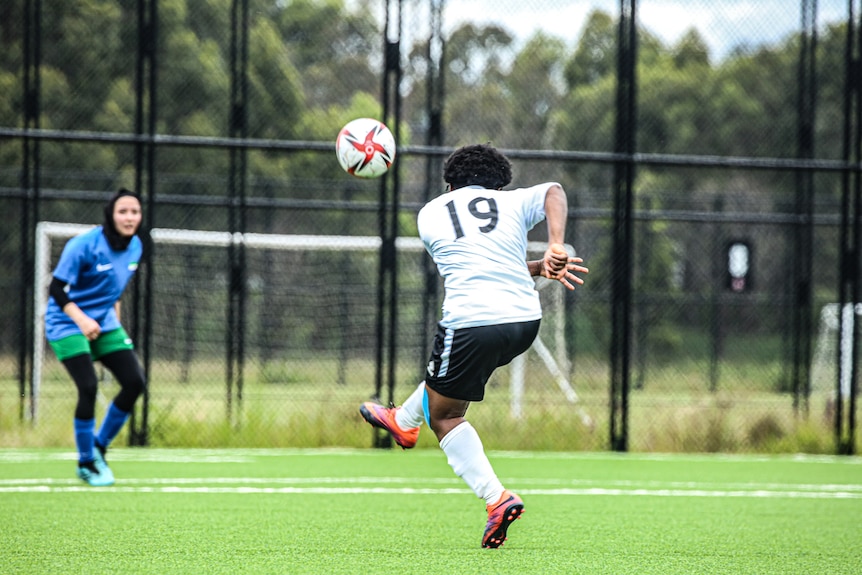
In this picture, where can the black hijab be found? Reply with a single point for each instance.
(115, 239)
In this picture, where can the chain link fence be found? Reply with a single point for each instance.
(709, 151)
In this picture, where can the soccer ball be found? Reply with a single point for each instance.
(365, 148)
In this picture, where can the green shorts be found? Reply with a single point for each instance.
(107, 342)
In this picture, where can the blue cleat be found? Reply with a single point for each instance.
(89, 472)
(102, 465)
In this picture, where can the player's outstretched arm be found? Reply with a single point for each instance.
(556, 213)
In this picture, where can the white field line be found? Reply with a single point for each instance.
(520, 483)
(595, 491)
(383, 485)
(235, 455)
(372, 485)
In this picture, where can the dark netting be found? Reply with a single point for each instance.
(711, 186)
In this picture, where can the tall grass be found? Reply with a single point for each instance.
(307, 404)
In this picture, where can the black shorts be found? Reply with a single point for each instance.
(462, 360)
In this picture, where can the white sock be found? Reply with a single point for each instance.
(465, 454)
(411, 414)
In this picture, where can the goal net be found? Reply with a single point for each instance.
(310, 304)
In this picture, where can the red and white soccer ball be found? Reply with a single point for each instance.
(365, 148)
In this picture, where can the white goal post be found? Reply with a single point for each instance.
(47, 233)
(557, 363)
(827, 357)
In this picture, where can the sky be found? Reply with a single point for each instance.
(723, 24)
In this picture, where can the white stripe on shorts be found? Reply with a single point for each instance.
(447, 351)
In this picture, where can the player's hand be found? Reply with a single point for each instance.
(90, 328)
(567, 275)
(573, 265)
(554, 261)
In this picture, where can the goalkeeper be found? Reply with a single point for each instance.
(83, 325)
(477, 236)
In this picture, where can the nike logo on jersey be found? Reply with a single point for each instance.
(430, 368)
(104, 267)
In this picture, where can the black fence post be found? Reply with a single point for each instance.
(145, 168)
(804, 229)
(30, 199)
(387, 294)
(237, 128)
(851, 245)
(434, 101)
(719, 269)
(621, 289)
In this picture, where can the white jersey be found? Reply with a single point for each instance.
(478, 239)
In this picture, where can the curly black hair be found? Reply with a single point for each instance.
(477, 164)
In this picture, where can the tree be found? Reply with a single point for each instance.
(691, 51)
(595, 56)
(536, 87)
(474, 70)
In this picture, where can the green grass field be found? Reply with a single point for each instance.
(403, 512)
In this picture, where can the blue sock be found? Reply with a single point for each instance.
(111, 425)
(84, 438)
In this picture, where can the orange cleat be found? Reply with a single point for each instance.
(500, 515)
(384, 418)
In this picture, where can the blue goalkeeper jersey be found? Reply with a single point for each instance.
(478, 239)
(97, 276)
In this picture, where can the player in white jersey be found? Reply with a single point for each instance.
(477, 236)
